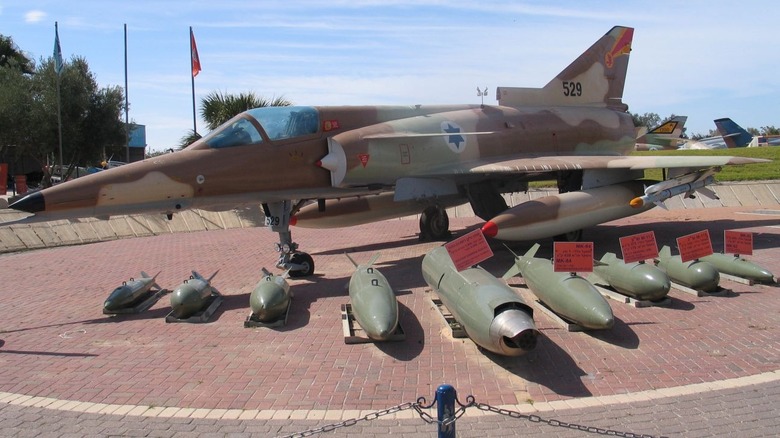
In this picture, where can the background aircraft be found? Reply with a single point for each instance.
(664, 136)
(731, 136)
(417, 158)
(736, 136)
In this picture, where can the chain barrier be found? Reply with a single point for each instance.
(353, 421)
(556, 423)
(420, 406)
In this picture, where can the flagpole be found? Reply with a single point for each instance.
(57, 70)
(192, 76)
(127, 107)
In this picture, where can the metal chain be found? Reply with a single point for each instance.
(470, 401)
(556, 423)
(420, 405)
(353, 421)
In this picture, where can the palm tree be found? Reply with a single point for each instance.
(217, 108)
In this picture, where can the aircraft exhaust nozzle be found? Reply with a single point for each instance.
(514, 331)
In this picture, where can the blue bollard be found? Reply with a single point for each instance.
(445, 408)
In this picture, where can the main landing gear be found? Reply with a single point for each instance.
(277, 217)
(434, 224)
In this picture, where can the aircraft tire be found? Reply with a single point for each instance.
(434, 223)
(304, 259)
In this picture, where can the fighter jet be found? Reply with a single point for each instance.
(662, 137)
(574, 130)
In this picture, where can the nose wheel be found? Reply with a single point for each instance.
(299, 264)
(304, 264)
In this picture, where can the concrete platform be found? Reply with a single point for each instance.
(64, 366)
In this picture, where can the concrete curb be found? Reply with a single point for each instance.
(24, 237)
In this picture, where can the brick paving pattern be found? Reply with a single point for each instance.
(56, 343)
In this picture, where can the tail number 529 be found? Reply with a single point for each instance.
(572, 88)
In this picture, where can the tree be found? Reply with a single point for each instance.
(649, 120)
(11, 56)
(92, 129)
(770, 130)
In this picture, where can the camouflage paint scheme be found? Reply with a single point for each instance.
(665, 136)
(575, 129)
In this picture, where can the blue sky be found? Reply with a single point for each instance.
(703, 59)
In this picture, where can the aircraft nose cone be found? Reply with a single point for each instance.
(32, 203)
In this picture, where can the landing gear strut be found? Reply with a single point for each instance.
(277, 217)
(434, 224)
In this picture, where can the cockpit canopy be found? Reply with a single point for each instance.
(264, 124)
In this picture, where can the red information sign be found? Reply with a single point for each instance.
(638, 247)
(573, 256)
(694, 246)
(738, 242)
(469, 250)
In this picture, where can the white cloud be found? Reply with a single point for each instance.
(34, 16)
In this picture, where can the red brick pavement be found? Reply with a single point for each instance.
(55, 341)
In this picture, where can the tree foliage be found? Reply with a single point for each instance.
(217, 108)
(92, 129)
(11, 56)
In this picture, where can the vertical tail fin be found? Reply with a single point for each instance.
(734, 135)
(595, 78)
(665, 136)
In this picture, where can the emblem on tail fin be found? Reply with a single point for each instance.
(622, 46)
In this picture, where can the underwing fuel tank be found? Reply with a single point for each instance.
(270, 297)
(567, 294)
(191, 296)
(373, 301)
(558, 214)
(642, 281)
(739, 267)
(492, 314)
(129, 291)
(695, 274)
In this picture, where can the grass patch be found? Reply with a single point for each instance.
(749, 172)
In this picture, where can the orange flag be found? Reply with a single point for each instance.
(195, 60)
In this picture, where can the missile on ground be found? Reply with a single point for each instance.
(695, 274)
(642, 281)
(191, 296)
(492, 314)
(557, 214)
(270, 297)
(345, 212)
(739, 267)
(566, 294)
(374, 305)
(129, 292)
